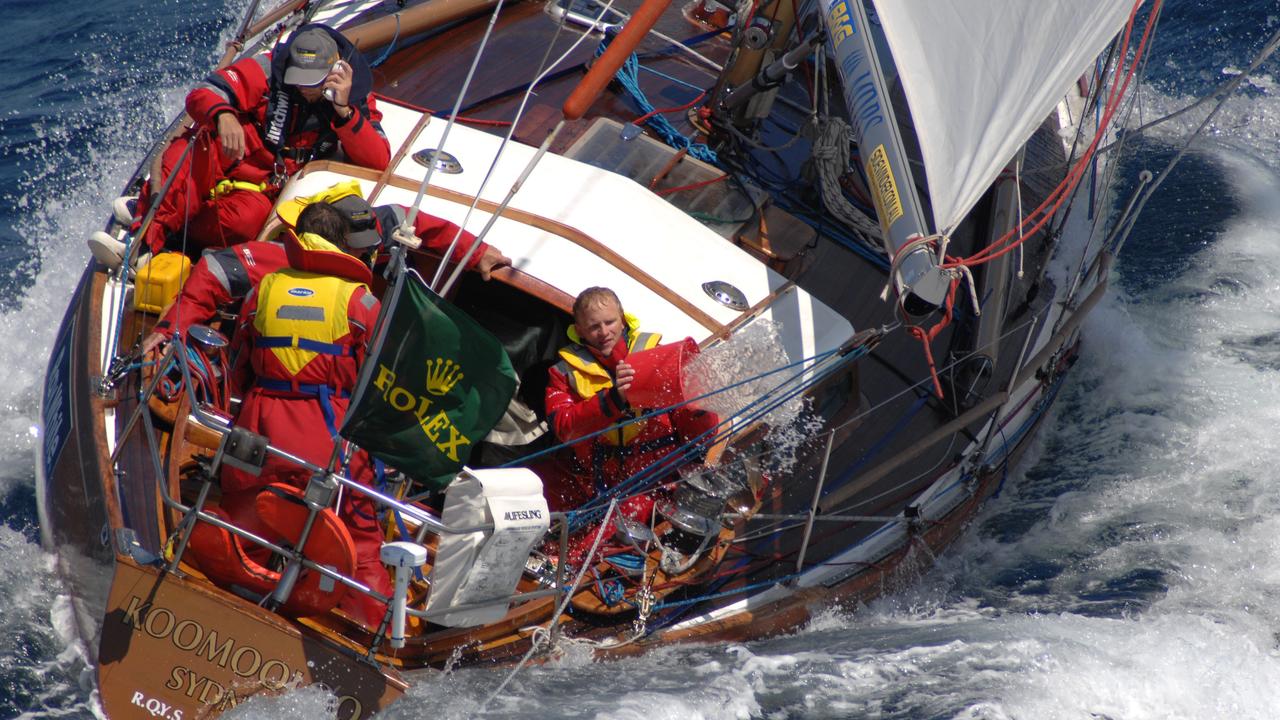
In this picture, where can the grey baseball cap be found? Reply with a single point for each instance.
(364, 226)
(312, 53)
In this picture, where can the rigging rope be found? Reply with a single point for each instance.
(1127, 222)
(544, 636)
(830, 157)
(1054, 201)
(628, 77)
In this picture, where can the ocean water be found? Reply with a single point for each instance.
(1130, 569)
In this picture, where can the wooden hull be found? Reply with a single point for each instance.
(188, 648)
(173, 645)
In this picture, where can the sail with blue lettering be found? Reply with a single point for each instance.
(981, 75)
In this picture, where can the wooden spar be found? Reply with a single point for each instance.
(377, 33)
(603, 69)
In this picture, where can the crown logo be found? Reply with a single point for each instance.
(442, 375)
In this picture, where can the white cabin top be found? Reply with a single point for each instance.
(617, 216)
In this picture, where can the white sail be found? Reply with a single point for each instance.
(981, 75)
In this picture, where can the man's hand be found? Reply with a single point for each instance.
(490, 261)
(623, 377)
(231, 134)
(339, 81)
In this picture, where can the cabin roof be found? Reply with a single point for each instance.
(581, 226)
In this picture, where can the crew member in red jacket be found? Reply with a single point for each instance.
(299, 346)
(587, 392)
(258, 121)
(218, 282)
(223, 278)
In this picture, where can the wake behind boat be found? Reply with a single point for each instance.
(880, 240)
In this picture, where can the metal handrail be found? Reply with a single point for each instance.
(192, 511)
(213, 422)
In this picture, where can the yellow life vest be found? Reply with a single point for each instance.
(302, 315)
(587, 376)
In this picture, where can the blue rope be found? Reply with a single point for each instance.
(639, 482)
(669, 78)
(628, 77)
(520, 461)
(686, 452)
(390, 46)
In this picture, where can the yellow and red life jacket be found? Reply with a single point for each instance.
(588, 376)
(302, 316)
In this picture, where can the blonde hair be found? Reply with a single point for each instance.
(595, 296)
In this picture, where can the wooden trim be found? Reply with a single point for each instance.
(423, 120)
(571, 234)
(750, 314)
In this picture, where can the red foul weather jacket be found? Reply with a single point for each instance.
(279, 122)
(580, 400)
(219, 280)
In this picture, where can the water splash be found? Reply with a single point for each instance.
(752, 353)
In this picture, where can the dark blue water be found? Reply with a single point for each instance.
(1130, 570)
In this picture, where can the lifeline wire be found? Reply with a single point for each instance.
(538, 640)
(1262, 56)
(406, 228)
(493, 218)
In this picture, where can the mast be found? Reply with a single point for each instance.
(920, 283)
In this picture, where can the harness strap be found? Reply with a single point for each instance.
(225, 186)
(322, 393)
(324, 348)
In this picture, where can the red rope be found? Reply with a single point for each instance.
(1054, 201)
(926, 336)
(692, 186)
(663, 111)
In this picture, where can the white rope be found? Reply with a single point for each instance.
(542, 636)
(830, 155)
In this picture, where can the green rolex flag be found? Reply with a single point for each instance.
(438, 384)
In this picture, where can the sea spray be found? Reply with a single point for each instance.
(771, 398)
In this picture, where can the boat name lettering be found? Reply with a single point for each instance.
(839, 22)
(522, 515)
(884, 189)
(433, 426)
(156, 707)
(193, 637)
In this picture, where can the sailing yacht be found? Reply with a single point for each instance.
(879, 225)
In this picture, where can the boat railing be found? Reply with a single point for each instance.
(296, 561)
